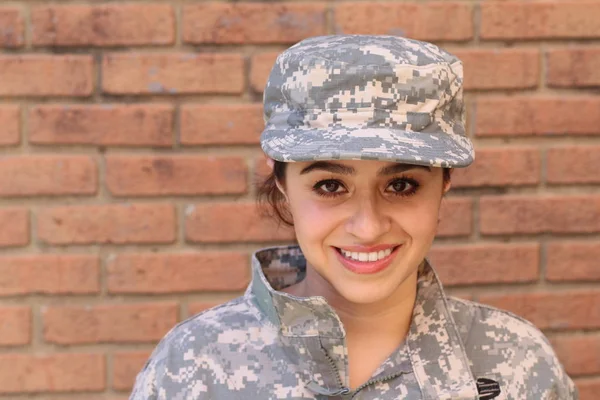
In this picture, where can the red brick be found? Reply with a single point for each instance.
(103, 25)
(573, 164)
(46, 75)
(49, 274)
(104, 125)
(14, 227)
(10, 125)
(114, 323)
(517, 166)
(198, 307)
(563, 310)
(12, 27)
(260, 68)
(578, 67)
(115, 223)
(178, 273)
(25, 373)
(518, 20)
(500, 68)
(212, 124)
(126, 366)
(171, 73)
(242, 23)
(418, 21)
(486, 263)
(579, 354)
(573, 261)
(588, 388)
(528, 215)
(48, 175)
(234, 222)
(131, 175)
(525, 115)
(456, 217)
(15, 329)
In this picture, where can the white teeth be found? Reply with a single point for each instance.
(366, 257)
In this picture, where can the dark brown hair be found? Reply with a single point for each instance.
(272, 201)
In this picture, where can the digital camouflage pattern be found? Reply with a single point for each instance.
(271, 345)
(363, 97)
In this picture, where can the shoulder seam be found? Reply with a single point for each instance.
(497, 311)
(193, 317)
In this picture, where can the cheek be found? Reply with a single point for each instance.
(313, 221)
(420, 220)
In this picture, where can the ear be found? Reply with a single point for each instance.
(270, 162)
(448, 183)
(447, 187)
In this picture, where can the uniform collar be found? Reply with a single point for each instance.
(433, 344)
(276, 268)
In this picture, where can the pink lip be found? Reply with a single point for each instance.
(366, 267)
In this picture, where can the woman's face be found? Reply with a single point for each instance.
(364, 226)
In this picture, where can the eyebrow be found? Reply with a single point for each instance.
(346, 170)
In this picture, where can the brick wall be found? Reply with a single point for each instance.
(129, 149)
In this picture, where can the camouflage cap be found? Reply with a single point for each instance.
(362, 97)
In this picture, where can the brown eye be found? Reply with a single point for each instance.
(403, 187)
(331, 186)
(400, 186)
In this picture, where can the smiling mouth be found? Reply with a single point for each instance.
(366, 257)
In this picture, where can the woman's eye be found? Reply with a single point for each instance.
(403, 187)
(330, 186)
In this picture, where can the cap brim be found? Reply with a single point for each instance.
(419, 148)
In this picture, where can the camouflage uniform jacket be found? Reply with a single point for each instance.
(270, 345)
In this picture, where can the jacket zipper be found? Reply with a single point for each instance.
(343, 389)
(375, 381)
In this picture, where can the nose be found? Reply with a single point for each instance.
(368, 221)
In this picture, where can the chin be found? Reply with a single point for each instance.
(371, 293)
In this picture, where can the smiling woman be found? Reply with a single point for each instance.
(361, 133)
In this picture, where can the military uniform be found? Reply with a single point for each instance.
(271, 345)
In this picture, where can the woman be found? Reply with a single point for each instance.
(361, 133)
